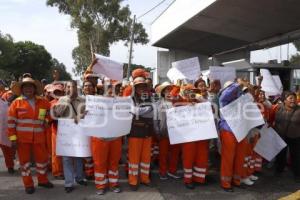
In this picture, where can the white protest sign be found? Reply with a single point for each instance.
(71, 141)
(107, 117)
(268, 83)
(185, 69)
(278, 82)
(191, 123)
(269, 144)
(174, 75)
(3, 124)
(223, 74)
(242, 115)
(109, 68)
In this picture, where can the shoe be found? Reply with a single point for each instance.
(253, 178)
(61, 177)
(134, 187)
(82, 182)
(247, 181)
(29, 190)
(11, 170)
(100, 192)
(190, 186)
(228, 189)
(147, 184)
(116, 189)
(175, 175)
(163, 177)
(46, 185)
(69, 189)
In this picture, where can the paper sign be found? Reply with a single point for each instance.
(185, 69)
(109, 68)
(268, 84)
(223, 74)
(191, 123)
(3, 124)
(278, 82)
(107, 117)
(269, 144)
(242, 115)
(71, 141)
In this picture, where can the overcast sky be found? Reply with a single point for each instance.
(33, 20)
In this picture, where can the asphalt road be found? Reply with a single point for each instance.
(267, 187)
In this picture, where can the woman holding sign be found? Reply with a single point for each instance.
(106, 152)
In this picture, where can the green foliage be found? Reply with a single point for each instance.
(100, 23)
(27, 57)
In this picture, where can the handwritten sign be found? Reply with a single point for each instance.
(71, 141)
(109, 68)
(269, 144)
(223, 74)
(3, 124)
(191, 123)
(242, 115)
(107, 117)
(185, 69)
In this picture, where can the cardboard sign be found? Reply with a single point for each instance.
(223, 74)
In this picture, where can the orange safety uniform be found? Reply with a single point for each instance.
(9, 155)
(106, 155)
(56, 161)
(88, 167)
(26, 127)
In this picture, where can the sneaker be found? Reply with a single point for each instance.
(46, 185)
(116, 189)
(82, 182)
(100, 192)
(163, 177)
(69, 189)
(175, 175)
(189, 186)
(247, 181)
(29, 190)
(11, 170)
(253, 178)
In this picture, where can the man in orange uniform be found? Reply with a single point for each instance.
(27, 118)
(56, 161)
(168, 154)
(140, 137)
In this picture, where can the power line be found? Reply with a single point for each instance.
(151, 9)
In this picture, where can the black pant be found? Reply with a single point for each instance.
(294, 149)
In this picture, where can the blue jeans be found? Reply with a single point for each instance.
(73, 170)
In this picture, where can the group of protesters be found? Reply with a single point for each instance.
(34, 108)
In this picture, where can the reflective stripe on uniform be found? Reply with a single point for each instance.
(30, 129)
(11, 125)
(89, 165)
(113, 173)
(27, 173)
(30, 121)
(200, 169)
(188, 170)
(134, 173)
(99, 175)
(145, 165)
(40, 171)
(42, 165)
(26, 165)
(133, 165)
(144, 171)
(113, 180)
(188, 175)
(11, 118)
(199, 175)
(101, 182)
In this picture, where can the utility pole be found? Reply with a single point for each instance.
(130, 48)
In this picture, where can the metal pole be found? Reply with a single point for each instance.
(130, 48)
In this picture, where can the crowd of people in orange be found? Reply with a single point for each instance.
(32, 129)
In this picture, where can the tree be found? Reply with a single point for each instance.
(100, 23)
(21, 57)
